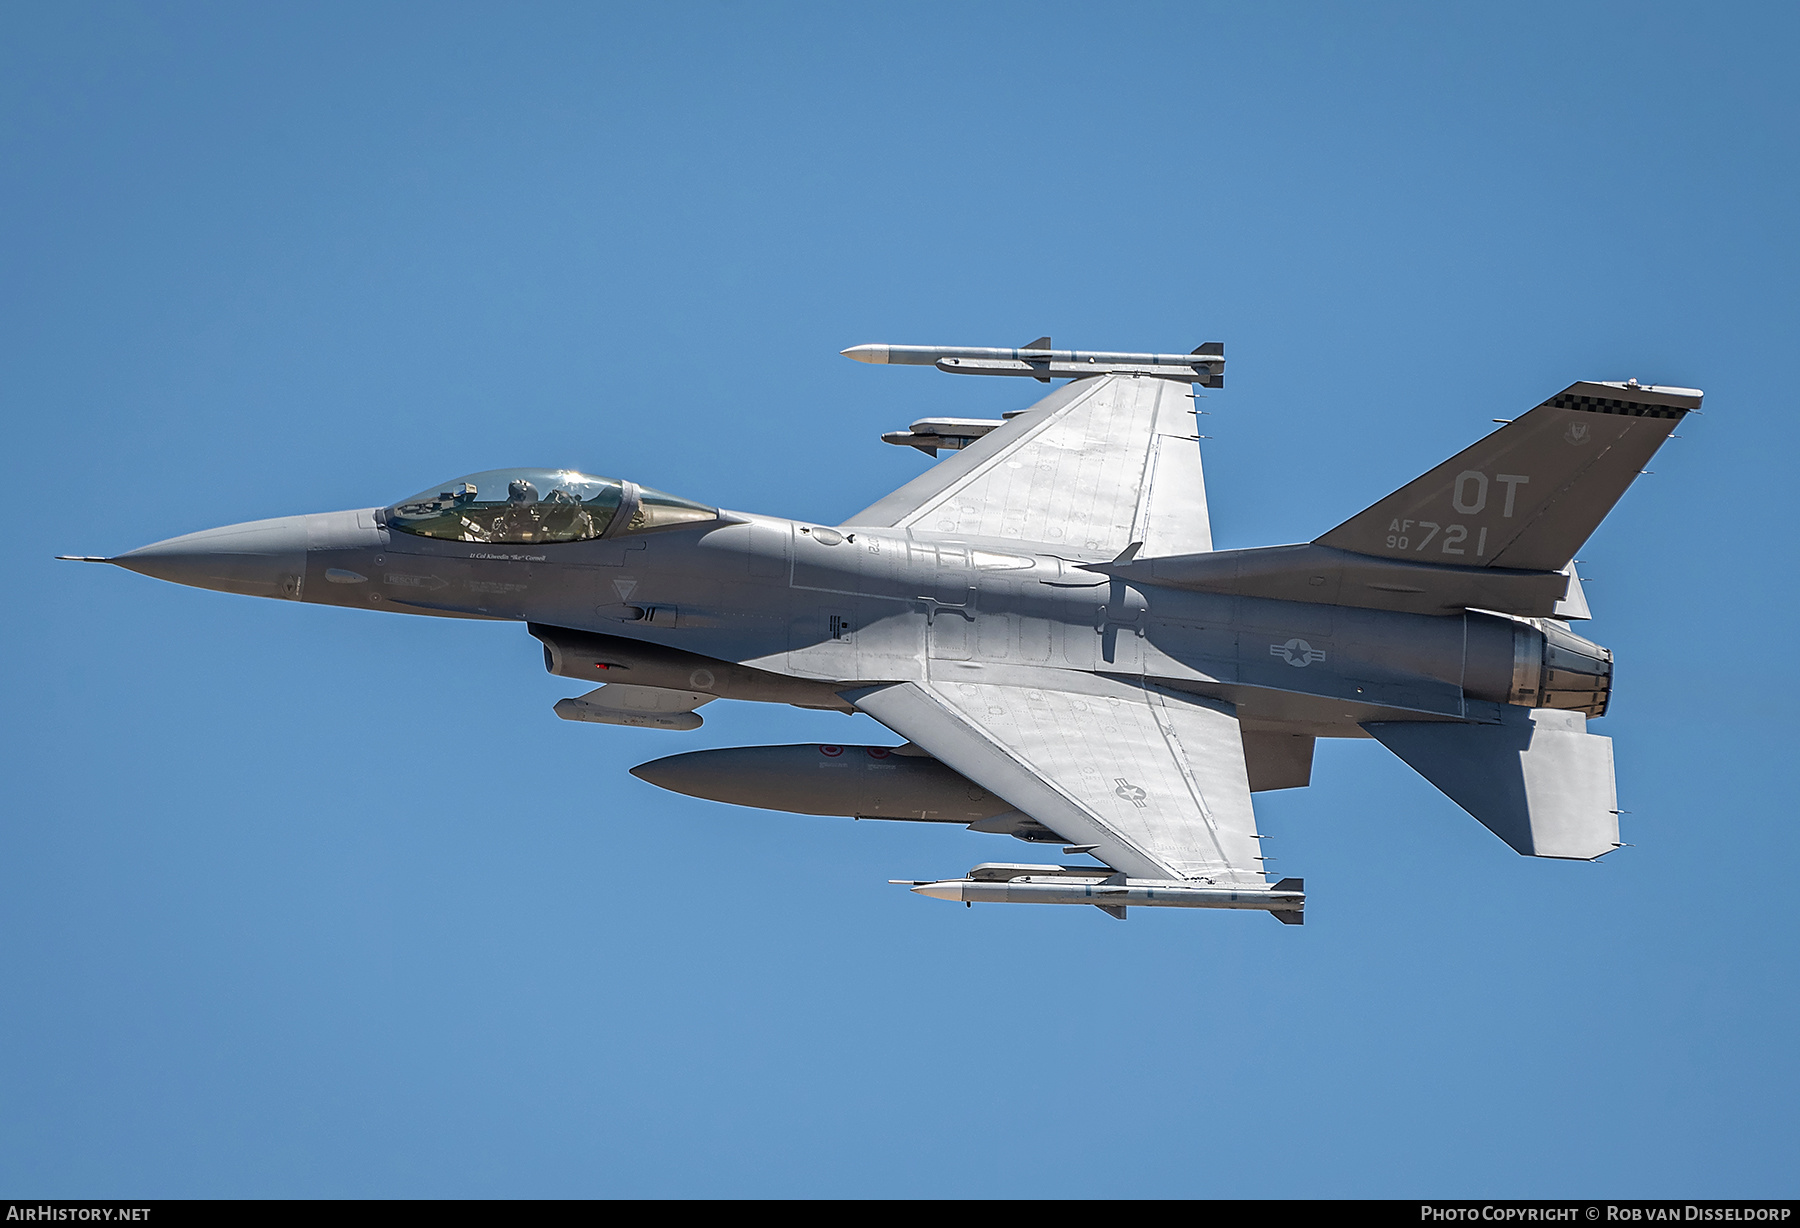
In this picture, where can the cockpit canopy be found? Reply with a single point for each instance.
(535, 506)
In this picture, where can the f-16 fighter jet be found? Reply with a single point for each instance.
(1043, 620)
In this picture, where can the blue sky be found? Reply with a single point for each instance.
(306, 901)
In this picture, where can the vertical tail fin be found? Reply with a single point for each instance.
(1531, 493)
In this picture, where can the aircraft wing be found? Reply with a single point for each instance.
(1154, 781)
(1096, 465)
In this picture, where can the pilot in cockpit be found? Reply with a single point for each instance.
(518, 520)
(578, 507)
(566, 519)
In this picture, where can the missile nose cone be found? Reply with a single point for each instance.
(867, 353)
(262, 558)
(941, 891)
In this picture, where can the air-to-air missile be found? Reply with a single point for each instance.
(1036, 360)
(1006, 883)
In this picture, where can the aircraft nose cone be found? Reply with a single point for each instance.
(261, 558)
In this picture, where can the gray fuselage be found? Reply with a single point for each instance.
(812, 610)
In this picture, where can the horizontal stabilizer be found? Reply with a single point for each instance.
(1538, 779)
(1527, 496)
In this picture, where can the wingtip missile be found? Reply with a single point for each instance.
(939, 891)
(1205, 366)
(1078, 885)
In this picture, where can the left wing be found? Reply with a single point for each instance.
(1096, 465)
(1152, 781)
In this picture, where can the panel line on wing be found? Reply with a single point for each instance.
(1165, 721)
(1140, 519)
(989, 466)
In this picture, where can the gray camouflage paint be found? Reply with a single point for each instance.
(1379, 628)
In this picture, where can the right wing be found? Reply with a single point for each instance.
(1155, 782)
(1093, 467)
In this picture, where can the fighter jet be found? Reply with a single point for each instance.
(1042, 619)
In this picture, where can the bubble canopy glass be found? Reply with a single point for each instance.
(535, 506)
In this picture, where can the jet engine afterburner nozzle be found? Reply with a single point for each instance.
(1555, 668)
(1534, 663)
